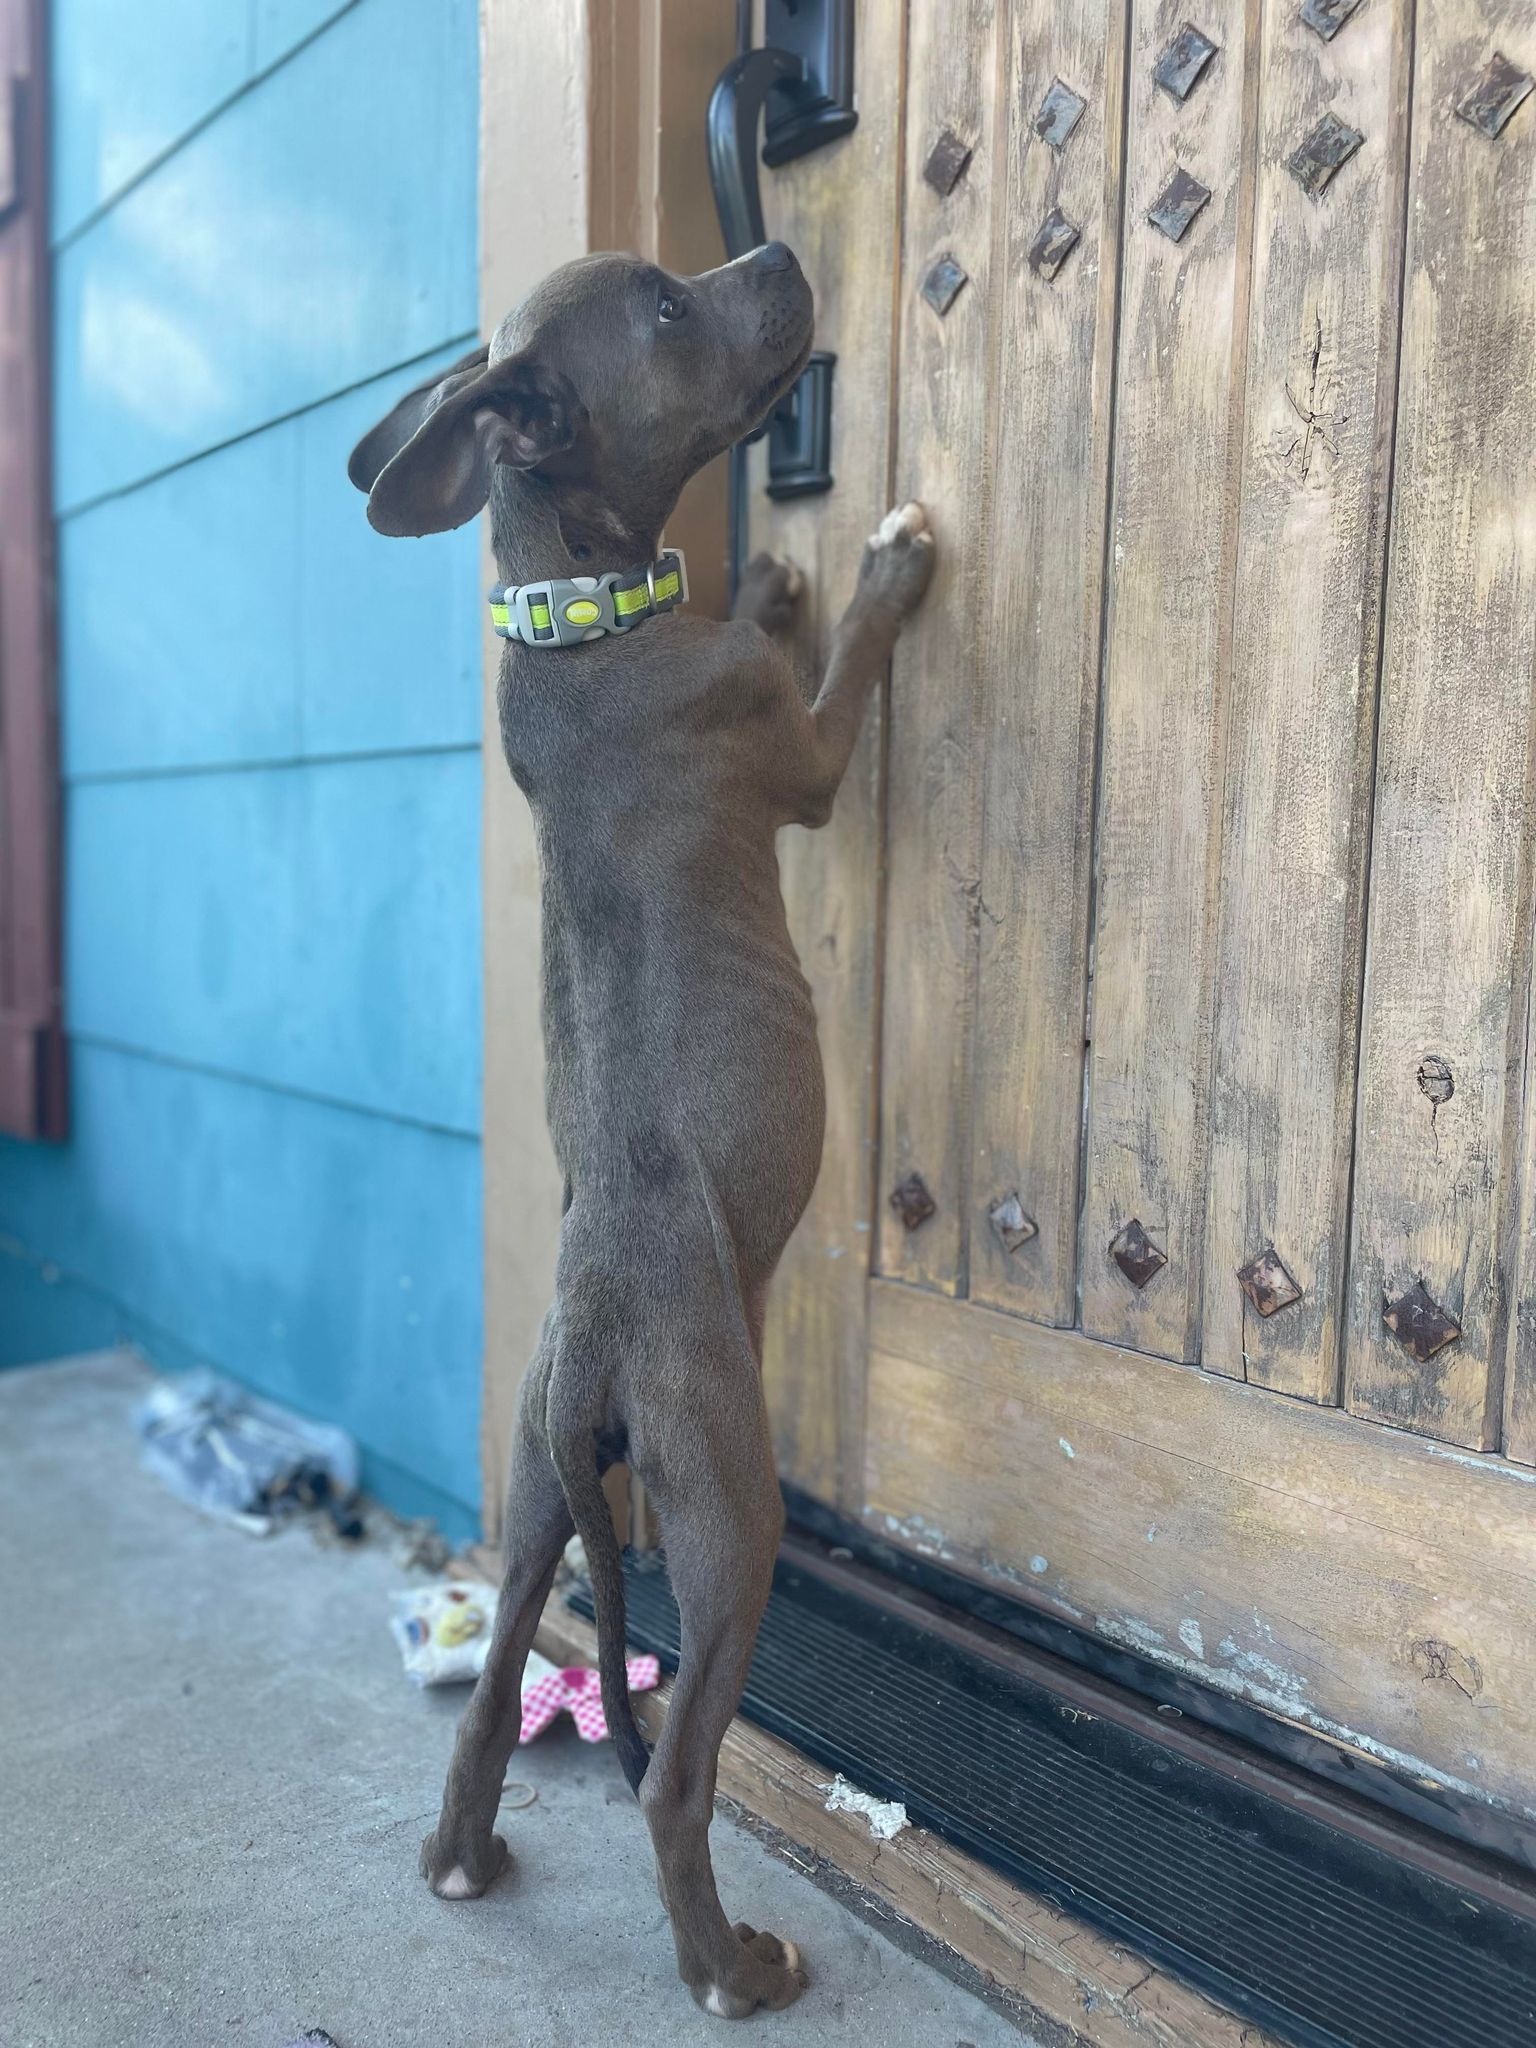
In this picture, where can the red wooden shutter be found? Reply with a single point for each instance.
(32, 1102)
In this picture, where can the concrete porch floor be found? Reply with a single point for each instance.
(214, 1779)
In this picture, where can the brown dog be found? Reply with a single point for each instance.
(684, 1080)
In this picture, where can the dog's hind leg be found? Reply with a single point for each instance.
(713, 1482)
(463, 1854)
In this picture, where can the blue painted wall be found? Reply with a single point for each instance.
(264, 223)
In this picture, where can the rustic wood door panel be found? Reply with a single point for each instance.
(839, 209)
(1442, 1052)
(1174, 927)
(1168, 617)
(1039, 656)
(1351, 1579)
(1320, 393)
(944, 440)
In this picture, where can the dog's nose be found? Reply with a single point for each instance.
(775, 256)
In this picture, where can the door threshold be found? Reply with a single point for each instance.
(1320, 1920)
(1067, 1983)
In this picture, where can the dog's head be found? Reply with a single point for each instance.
(613, 380)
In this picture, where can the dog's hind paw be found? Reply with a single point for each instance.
(467, 1874)
(766, 1973)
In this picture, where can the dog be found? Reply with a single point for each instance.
(660, 757)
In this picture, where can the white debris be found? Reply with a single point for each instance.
(886, 1817)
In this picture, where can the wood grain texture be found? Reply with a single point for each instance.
(1321, 383)
(1063, 1971)
(945, 431)
(1520, 1382)
(1180, 371)
(1450, 905)
(1355, 1580)
(838, 210)
(1040, 655)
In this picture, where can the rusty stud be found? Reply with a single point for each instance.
(1053, 244)
(1436, 1079)
(1135, 1254)
(1177, 204)
(1180, 68)
(946, 163)
(1502, 88)
(1332, 143)
(1011, 1222)
(1267, 1282)
(1419, 1323)
(1059, 113)
(942, 285)
(912, 1202)
(1326, 17)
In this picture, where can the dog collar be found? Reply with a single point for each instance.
(563, 611)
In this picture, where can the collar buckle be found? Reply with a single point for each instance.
(565, 611)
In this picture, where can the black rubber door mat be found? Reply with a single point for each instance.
(1325, 1940)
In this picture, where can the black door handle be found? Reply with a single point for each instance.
(806, 70)
(735, 107)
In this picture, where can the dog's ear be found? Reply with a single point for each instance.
(427, 465)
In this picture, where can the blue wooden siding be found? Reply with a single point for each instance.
(264, 227)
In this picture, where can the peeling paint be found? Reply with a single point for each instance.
(1495, 1468)
(1282, 1699)
(1152, 1533)
(1038, 1564)
(1256, 1666)
(1065, 1448)
(1191, 1638)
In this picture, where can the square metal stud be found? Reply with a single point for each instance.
(1059, 113)
(1494, 98)
(1011, 1223)
(912, 1202)
(946, 163)
(1177, 204)
(1182, 65)
(1332, 143)
(1419, 1323)
(1135, 1254)
(942, 285)
(1326, 17)
(1267, 1282)
(1053, 244)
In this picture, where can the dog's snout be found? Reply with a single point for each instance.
(775, 256)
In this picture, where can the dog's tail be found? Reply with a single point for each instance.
(570, 1426)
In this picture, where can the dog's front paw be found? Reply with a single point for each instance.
(463, 1872)
(898, 561)
(768, 593)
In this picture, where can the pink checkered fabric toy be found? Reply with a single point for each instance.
(577, 1691)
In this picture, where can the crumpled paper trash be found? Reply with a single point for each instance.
(886, 1817)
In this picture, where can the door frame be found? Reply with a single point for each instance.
(606, 132)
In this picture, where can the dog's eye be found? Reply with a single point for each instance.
(670, 307)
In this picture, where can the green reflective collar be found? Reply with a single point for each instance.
(563, 611)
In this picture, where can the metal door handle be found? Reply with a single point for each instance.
(735, 107)
(803, 81)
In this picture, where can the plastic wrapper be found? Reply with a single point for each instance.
(444, 1630)
(240, 1458)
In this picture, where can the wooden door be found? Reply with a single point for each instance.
(1173, 1263)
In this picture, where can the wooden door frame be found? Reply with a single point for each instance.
(32, 1050)
(591, 137)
